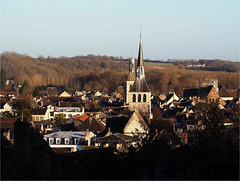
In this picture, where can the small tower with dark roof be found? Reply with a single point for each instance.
(131, 78)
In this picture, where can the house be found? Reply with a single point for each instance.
(132, 125)
(64, 94)
(170, 98)
(136, 124)
(209, 81)
(117, 141)
(207, 94)
(98, 94)
(90, 124)
(69, 112)
(7, 127)
(4, 107)
(8, 93)
(52, 91)
(40, 114)
(71, 141)
(224, 94)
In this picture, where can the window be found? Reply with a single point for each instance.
(67, 141)
(119, 146)
(51, 113)
(139, 97)
(97, 144)
(33, 118)
(144, 98)
(51, 140)
(64, 115)
(76, 141)
(106, 145)
(37, 118)
(141, 70)
(41, 118)
(134, 98)
(58, 141)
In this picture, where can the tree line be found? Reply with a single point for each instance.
(105, 73)
(212, 65)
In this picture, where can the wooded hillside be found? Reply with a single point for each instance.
(102, 73)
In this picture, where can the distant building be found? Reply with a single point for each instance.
(69, 112)
(207, 94)
(64, 94)
(209, 81)
(5, 107)
(71, 141)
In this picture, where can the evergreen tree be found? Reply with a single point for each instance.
(36, 92)
(3, 79)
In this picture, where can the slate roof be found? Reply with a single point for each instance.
(115, 137)
(38, 111)
(68, 127)
(65, 134)
(203, 91)
(223, 92)
(91, 124)
(116, 124)
(140, 85)
(8, 123)
(125, 111)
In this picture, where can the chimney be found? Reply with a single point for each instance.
(88, 137)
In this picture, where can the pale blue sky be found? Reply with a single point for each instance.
(171, 29)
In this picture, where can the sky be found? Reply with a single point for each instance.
(180, 29)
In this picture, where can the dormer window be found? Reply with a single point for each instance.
(67, 140)
(51, 140)
(58, 141)
(76, 141)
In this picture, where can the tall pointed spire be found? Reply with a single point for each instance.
(140, 53)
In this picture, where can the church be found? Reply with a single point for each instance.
(137, 92)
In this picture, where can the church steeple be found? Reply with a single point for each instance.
(140, 68)
(140, 53)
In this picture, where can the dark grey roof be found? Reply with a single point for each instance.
(140, 53)
(203, 91)
(38, 111)
(116, 124)
(68, 127)
(140, 85)
(91, 124)
(115, 137)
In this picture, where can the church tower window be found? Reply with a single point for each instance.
(134, 98)
(144, 98)
(139, 97)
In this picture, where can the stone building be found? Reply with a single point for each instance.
(137, 92)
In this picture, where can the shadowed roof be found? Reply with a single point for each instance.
(223, 92)
(140, 85)
(36, 111)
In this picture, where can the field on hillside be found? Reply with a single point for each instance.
(158, 64)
